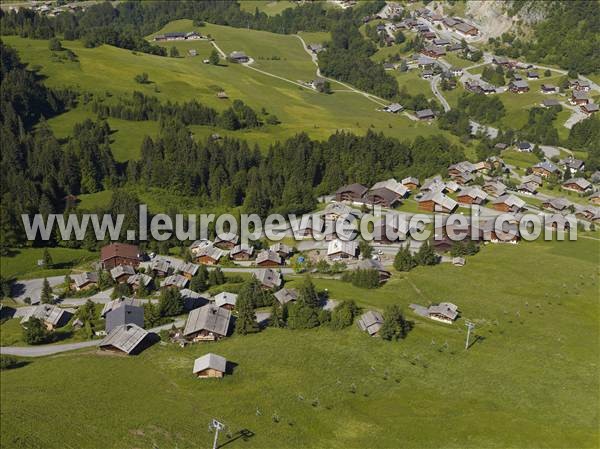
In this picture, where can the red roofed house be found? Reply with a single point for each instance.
(117, 254)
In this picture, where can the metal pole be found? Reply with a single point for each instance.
(217, 426)
(469, 327)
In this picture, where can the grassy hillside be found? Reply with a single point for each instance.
(23, 262)
(110, 69)
(525, 383)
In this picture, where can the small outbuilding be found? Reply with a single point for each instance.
(210, 365)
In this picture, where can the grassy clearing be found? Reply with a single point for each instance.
(269, 7)
(519, 159)
(457, 61)
(536, 334)
(315, 37)
(23, 262)
(413, 83)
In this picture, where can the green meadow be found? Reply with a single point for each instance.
(527, 381)
(110, 69)
(22, 262)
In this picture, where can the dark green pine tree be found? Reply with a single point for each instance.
(246, 319)
(47, 258)
(170, 303)
(276, 319)
(426, 255)
(394, 327)
(46, 297)
(307, 293)
(404, 260)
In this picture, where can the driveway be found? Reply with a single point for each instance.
(32, 288)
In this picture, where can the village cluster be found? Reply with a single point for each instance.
(210, 318)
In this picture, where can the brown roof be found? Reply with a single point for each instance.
(119, 250)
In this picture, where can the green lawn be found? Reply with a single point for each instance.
(456, 61)
(527, 382)
(22, 263)
(519, 159)
(412, 81)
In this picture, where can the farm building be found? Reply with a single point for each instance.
(175, 280)
(411, 183)
(472, 195)
(226, 240)
(545, 169)
(239, 57)
(140, 280)
(446, 312)
(210, 365)
(281, 249)
(188, 270)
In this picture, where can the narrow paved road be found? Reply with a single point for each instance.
(43, 350)
(434, 88)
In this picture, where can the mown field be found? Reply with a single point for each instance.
(528, 381)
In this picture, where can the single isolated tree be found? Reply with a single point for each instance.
(46, 297)
(47, 258)
(214, 57)
(394, 327)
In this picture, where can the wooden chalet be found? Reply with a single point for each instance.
(473, 195)
(437, 202)
(508, 203)
(241, 252)
(121, 273)
(578, 185)
(207, 323)
(268, 258)
(351, 192)
(226, 300)
(117, 254)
